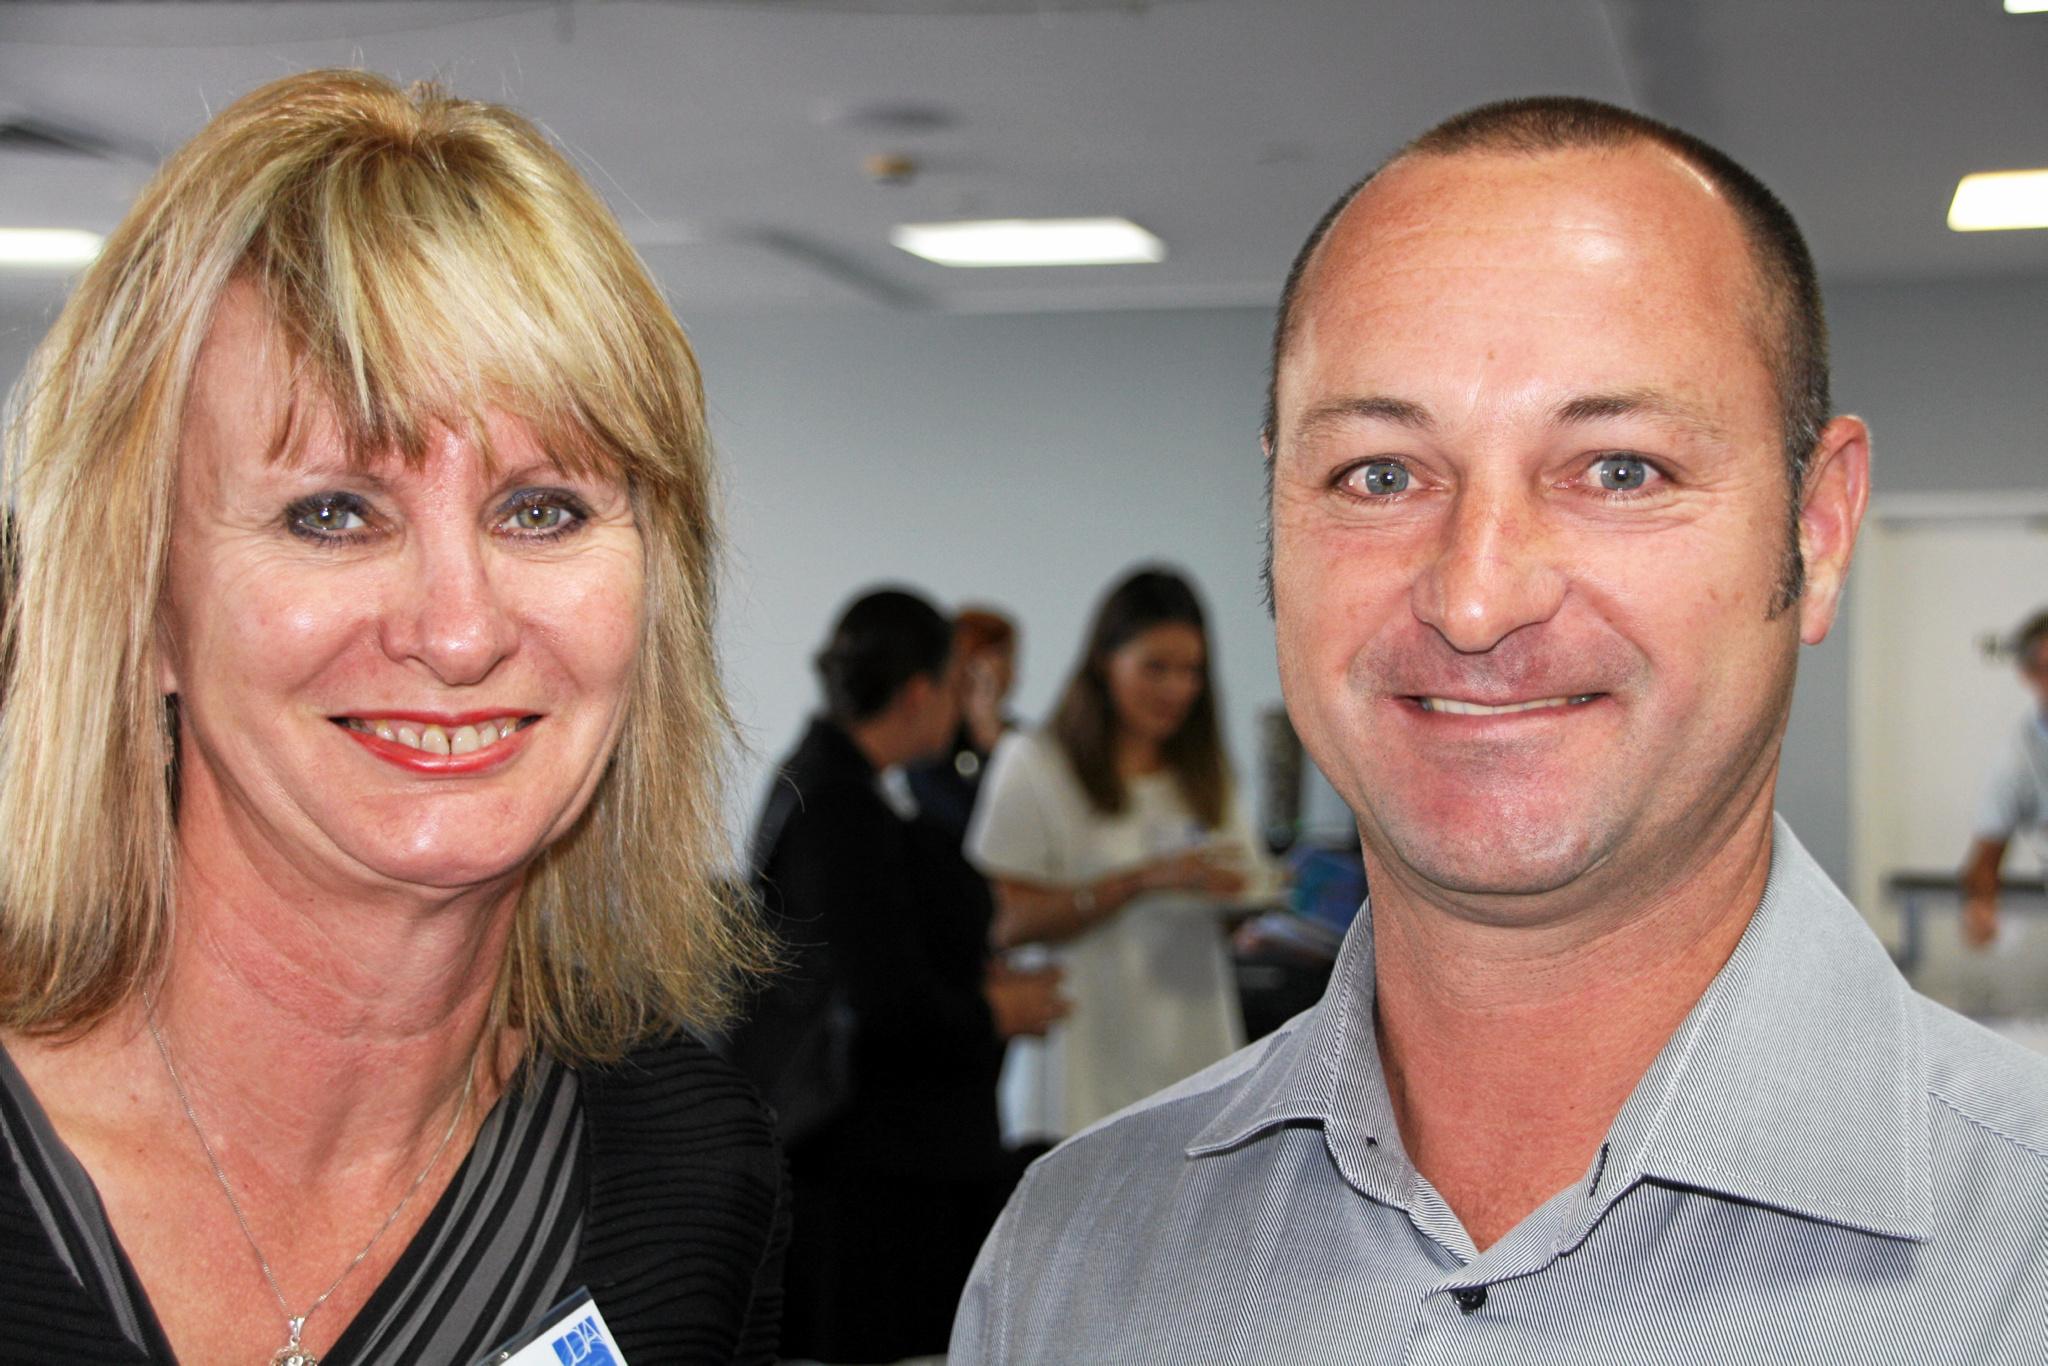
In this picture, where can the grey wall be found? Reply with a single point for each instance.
(1021, 460)
(1025, 460)
(1952, 379)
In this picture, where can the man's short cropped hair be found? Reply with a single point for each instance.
(1792, 329)
(881, 641)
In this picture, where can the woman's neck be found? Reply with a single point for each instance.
(1137, 755)
(321, 1028)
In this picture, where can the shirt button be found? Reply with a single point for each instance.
(1471, 1299)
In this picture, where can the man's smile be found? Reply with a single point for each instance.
(1455, 707)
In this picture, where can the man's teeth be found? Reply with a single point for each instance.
(438, 739)
(1457, 708)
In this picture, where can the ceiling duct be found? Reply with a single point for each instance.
(785, 6)
(936, 6)
(43, 137)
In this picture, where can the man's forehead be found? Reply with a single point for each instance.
(1633, 229)
(1485, 207)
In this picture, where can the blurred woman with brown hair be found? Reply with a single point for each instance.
(1116, 835)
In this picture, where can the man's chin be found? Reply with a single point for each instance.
(1495, 861)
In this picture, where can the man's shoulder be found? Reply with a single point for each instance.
(1995, 1086)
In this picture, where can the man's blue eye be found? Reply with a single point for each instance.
(1383, 477)
(1622, 473)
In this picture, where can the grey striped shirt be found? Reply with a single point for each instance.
(490, 1257)
(1821, 1165)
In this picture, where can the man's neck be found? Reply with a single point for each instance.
(882, 741)
(1509, 1049)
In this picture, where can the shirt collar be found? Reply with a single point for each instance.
(1325, 1068)
(1798, 1081)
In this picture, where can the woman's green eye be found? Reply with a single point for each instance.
(543, 513)
(538, 517)
(326, 515)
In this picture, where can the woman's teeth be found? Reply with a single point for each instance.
(433, 739)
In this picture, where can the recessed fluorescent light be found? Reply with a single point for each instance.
(1031, 242)
(2026, 6)
(1993, 200)
(47, 246)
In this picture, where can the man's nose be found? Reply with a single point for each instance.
(1492, 571)
(447, 612)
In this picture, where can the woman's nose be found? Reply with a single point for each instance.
(447, 613)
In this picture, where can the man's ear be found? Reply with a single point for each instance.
(1830, 513)
(915, 693)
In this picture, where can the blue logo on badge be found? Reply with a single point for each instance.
(584, 1345)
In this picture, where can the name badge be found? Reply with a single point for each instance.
(573, 1333)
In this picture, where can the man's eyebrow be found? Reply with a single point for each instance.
(1650, 403)
(1365, 407)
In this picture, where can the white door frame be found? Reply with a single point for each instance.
(1867, 765)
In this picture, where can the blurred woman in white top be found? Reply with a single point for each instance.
(1114, 834)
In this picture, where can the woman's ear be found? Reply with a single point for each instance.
(166, 659)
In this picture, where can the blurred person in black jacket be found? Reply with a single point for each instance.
(880, 1045)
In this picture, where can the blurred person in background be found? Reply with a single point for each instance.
(359, 773)
(945, 786)
(880, 1044)
(1117, 835)
(2015, 799)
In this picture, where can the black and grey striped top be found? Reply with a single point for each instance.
(490, 1258)
(1820, 1166)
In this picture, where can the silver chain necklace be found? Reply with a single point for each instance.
(292, 1353)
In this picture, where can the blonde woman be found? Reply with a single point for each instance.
(358, 774)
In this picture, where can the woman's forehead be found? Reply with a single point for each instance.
(257, 396)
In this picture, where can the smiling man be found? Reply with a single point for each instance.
(1608, 1071)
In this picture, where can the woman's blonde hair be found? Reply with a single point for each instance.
(427, 260)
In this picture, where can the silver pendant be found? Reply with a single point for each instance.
(292, 1354)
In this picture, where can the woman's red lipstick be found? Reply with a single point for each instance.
(402, 755)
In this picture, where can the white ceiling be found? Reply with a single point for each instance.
(730, 134)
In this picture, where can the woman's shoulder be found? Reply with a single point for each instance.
(1033, 756)
(675, 1128)
(688, 1204)
(680, 1088)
